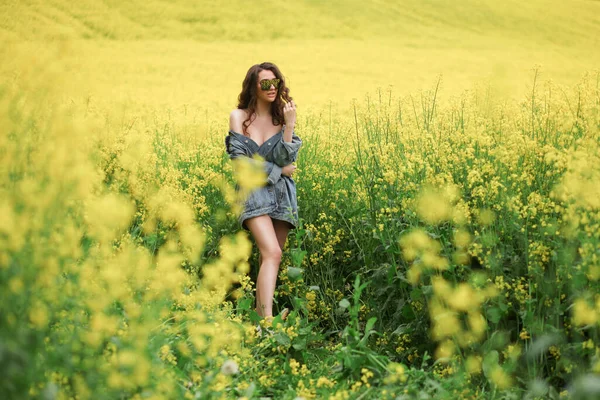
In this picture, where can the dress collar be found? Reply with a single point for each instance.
(251, 144)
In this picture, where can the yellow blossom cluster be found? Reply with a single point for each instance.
(419, 246)
(584, 314)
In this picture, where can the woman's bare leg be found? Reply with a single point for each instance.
(264, 234)
(282, 229)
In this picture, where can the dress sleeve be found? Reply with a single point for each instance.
(285, 153)
(273, 172)
(236, 150)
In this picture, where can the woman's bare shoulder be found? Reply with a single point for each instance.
(236, 119)
(239, 113)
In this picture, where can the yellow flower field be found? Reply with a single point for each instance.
(447, 185)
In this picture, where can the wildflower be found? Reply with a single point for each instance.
(229, 367)
(463, 298)
(325, 382)
(486, 217)
(433, 207)
(441, 287)
(165, 354)
(396, 373)
(39, 315)
(445, 322)
(365, 376)
(477, 324)
(473, 365)
(445, 350)
(500, 378)
(554, 351)
(413, 275)
(249, 175)
(305, 392)
(583, 314)
(462, 239)
(294, 365)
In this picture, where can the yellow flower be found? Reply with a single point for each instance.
(294, 365)
(464, 298)
(441, 287)
(435, 205)
(473, 365)
(500, 378)
(249, 175)
(325, 382)
(583, 314)
(396, 373)
(445, 350)
(39, 315)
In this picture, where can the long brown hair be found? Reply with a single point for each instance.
(247, 98)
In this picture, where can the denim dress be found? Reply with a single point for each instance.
(277, 198)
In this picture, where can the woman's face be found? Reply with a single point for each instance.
(266, 95)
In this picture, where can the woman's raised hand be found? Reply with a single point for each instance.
(289, 113)
(288, 170)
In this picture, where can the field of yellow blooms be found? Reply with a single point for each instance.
(448, 191)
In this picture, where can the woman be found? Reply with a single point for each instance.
(264, 124)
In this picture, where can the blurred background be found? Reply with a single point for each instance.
(196, 53)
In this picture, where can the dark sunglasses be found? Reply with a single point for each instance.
(265, 84)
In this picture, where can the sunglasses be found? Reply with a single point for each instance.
(265, 84)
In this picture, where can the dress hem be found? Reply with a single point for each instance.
(270, 211)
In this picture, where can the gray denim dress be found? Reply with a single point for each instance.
(278, 197)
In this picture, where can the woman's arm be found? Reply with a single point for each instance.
(284, 152)
(289, 115)
(288, 133)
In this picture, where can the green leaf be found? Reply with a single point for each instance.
(300, 344)
(294, 273)
(497, 340)
(370, 324)
(416, 294)
(305, 331)
(297, 256)
(368, 330)
(344, 303)
(250, 390)
(245, 304)
(400, 329)
(494, 314)
(391, 273)
(254, 317)
(282, 339)
(407, 312)
(490, 361)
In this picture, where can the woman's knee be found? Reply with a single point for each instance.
(273, 253)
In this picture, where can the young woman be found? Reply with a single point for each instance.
(264, 123)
